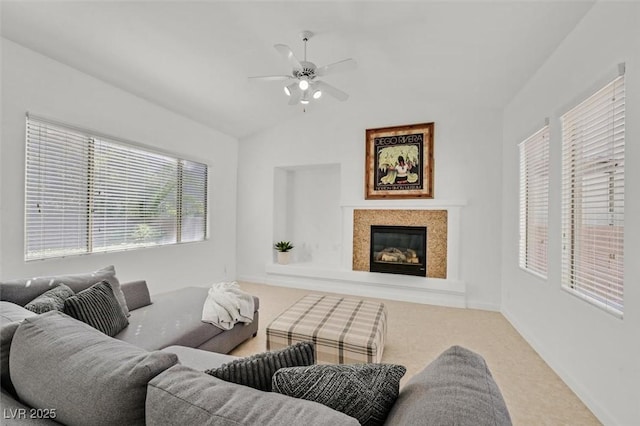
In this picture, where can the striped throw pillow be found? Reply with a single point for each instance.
(257, 370)
(98, 307)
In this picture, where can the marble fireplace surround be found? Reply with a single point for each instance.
(442, 286)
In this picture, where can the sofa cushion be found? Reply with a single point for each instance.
(174, 318)
(183, 393)
(50, 300)
(363, 391)
(257, 370)
(98, 307)
(14, 413)
(88, 377)
(10, 317)
(10, 312)
(456, 388)
(7, 330)
(23, 291)
(136, 293)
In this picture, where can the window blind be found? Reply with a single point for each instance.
(88, 193)
(534, 202)
(593, 145)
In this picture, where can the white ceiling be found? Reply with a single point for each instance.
(194, 57)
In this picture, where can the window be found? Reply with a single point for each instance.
(593, 139)
(87, 193)
(534, 202)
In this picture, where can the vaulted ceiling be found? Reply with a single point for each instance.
(194, 57)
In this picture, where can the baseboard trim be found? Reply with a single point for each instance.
(256, 279)
(483, 306)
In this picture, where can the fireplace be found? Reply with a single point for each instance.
(399, 250)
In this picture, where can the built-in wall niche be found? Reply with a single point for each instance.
(308, 213)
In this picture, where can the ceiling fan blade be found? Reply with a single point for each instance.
(333, 91)
(344, 65)
(272, 77)
(288, 54)
(295, 97)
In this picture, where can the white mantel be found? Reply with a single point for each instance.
(342, 279)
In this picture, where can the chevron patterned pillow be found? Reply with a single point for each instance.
(366, 392)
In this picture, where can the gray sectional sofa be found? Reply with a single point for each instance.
(172, 318)
(57, 370)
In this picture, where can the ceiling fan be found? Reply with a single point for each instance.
(303, 83)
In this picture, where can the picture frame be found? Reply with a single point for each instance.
(399, 162)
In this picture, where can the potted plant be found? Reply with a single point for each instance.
(283, 248)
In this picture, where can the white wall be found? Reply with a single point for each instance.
(467, 167)
(32, 82)
(594, 352)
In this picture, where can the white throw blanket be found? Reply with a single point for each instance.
(227, 305)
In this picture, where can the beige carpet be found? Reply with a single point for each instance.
(417, 334)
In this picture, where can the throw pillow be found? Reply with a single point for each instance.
(257, 370)
(52, 300)
(98, 307)
(366, 392)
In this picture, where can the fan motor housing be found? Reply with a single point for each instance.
(308, 70)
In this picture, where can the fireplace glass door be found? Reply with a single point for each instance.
(399, 250)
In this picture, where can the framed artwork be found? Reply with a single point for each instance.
(399, 162)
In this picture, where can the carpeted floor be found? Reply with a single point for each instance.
(417, 334)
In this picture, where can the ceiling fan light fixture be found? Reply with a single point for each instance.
(302, 85)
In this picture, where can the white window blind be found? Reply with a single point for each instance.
(87, 194)
(593, 139)
(534, 202)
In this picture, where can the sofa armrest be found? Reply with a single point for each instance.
(136, 294)
(456, 388)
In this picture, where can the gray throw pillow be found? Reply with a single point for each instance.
(52, 300)
(366, 392)
(257, 370)
(98, 307)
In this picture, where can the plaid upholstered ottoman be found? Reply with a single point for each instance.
(344, 330)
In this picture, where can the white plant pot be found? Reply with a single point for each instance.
(283, 257)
